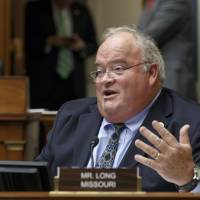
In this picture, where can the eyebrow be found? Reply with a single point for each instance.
(113, 62)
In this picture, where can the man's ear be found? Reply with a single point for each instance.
(153, 73)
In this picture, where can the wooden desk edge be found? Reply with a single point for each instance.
(92, 194)
(120, 194)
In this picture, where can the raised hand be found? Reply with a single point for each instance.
(170, 158)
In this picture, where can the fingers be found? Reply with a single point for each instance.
(145, 161)
(155, 154)
(153, 139)
(164, 133)
(165, 144)
(170, 158)
(184, 136)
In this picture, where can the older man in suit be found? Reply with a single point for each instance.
(152, 122)
(169, 23)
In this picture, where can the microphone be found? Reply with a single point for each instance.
(93, 144)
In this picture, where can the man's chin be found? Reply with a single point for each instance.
(110, 108)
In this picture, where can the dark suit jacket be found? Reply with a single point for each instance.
(78, 122)
(42, 62)
(169, 23)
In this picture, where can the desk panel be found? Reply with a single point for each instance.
(96, 195)
(15, 135)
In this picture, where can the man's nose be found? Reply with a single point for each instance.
(108, 77)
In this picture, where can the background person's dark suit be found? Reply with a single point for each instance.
(48, 90)
(170, 24)
(79, 121)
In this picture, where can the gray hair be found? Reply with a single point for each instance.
(149, 50)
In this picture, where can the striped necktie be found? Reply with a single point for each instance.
(108, 156)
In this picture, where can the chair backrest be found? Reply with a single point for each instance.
(14, 96)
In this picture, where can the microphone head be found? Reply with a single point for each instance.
(94, 141)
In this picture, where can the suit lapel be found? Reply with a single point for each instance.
(87, 129)
(161, 110)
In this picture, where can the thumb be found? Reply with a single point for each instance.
(184, 136)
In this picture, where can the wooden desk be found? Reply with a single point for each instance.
(47, 123)
(16, 125)
(14, 94)
(15, 136)
(97, 195)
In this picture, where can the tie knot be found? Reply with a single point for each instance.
(119, 128)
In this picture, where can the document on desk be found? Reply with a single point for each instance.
(43, 111)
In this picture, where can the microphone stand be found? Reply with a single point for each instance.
(93, 144)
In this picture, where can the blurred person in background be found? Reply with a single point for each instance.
(169, 23)
(60, 35)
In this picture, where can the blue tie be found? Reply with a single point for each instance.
(108, 156)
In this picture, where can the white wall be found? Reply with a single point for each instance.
(109, 13)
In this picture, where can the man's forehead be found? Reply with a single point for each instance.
(117, 44)
(118, 40)
(120, 36)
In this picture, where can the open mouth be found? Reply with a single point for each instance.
(109, 93)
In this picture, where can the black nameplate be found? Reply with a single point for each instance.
(97, 180)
